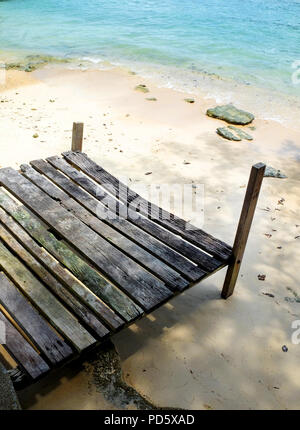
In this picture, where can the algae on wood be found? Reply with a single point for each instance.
(116, 299)
(45, 301)
(59, 280)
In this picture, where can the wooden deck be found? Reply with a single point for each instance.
(69, 278)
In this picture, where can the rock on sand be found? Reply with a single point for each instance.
(231, 114)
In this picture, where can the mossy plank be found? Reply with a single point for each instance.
(22, 351)
(80, 269)
(27, 317)
(32, 259)
(137, 282)
(45, 301)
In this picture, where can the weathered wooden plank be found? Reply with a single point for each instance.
(160, 269)
(148, 230)
(44, 301)
(173, 223)
(77, 136)
(205, 261)
(251, 198)
(39, 332)
(22, 351)
(140, 229)
(115, 217)
(55, 286)
(90, 277)
(144, 287)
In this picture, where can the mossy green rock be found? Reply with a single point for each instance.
(231, 114)
(189, 100)
(227, 134)
(33, 62)
(233, 133)
(241, 133)
(14, 66)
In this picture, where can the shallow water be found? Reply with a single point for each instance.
(189, 43)
(255, 41)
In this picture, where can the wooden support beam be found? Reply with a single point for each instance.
(251, 197)
(77, 136)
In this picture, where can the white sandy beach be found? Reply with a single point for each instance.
(199, 351)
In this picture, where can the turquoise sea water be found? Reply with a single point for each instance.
(254, 42)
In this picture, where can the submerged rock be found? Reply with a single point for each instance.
(189, 100)
(14, 66)
(231, 114)
(33, 62)
(143, 88)
(151, 99)
(270, 172)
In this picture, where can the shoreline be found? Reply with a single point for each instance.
(280, 107)
(119, 84)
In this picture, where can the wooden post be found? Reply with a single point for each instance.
(77, 136)
(251, 197)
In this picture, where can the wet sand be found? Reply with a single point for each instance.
(198, 351)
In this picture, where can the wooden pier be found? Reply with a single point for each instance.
(70, 277)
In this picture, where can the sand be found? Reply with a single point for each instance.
(198, 351)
